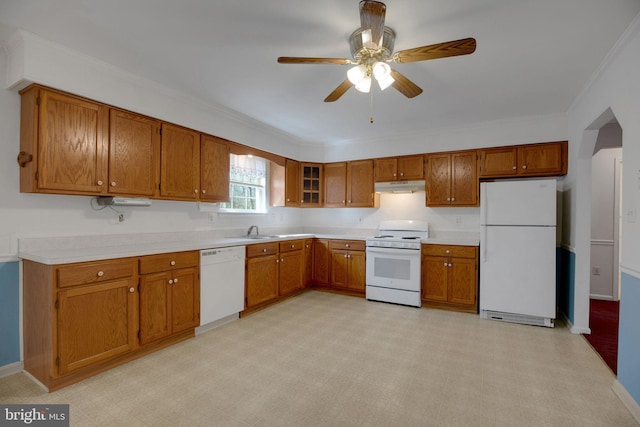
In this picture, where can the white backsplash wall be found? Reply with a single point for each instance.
(392, 206)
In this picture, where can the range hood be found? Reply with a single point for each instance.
(122, 201)
(399, 187)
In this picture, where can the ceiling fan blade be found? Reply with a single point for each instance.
(339, 91)
(298, 60)
(372, 23)
(404, 85)
(435, 51)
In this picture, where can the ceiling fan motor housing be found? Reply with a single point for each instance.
(363, 55)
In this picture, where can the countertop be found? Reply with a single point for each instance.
(64, 250)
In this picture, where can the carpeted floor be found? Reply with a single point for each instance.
(603, 321)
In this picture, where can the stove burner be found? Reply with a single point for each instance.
(385, 236)
(411, 238)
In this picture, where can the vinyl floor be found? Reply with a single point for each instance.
(321, 359)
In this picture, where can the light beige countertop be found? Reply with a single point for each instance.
(64, 250)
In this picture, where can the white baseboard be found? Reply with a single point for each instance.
(573, 329)
(11, 369)
(626, 399)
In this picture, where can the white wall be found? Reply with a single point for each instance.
(29, 58)
(614, 90)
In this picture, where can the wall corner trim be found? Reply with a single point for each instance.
(626, 399)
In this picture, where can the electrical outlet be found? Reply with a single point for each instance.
(596, 271)
(630, 214)
(458, 220)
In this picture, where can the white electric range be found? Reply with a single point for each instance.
(393, 262)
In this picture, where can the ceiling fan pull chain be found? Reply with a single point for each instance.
(371, 108)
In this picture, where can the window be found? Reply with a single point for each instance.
(247, 185)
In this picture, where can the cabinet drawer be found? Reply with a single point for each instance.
(291, 245)
(262, 249)
(450, 250)
(172, 261)
(99, 271)
(352, 245)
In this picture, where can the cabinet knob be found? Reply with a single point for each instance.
(345, 255)
(524, 166)
(264, 250)
(176, 280)
(277, 261)
(347, 245)
(447, 251)
(514, 168)
(281, 259)
(349, 201)
(343, 202)
(293, 246)
(172, 263)
(100, 183)
(448, 199)
(446, 265)
(401, 173)
(204, 191)
(195, 191)
(450, 265)
(288, 199)
(132, 290)
(171, 281)
(113, 183)
(100, 273)
(453, 199)
(396, 175)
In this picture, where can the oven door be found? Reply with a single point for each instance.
(393, 268)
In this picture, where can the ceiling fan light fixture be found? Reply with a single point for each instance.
(365, 85)
(356, 74)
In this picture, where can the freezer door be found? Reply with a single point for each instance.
(518, 270)
(530, 202)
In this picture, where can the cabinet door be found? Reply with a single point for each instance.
(360, 184)
(72, 144)
(438, 179)
(498, 162)
(434, 278)
(386, 169)
(95, 323)
(261, 280)
(308, 263)
(292, 183)
(540, 159)
(339, 268)
(290, 273)
(321, 261)
(335, 185)
(214, 169)
(464, 179)
(134, 143)
(463, 281)
(155, 307)
(185, 299)
(311, 185)
(357, 271)
(411, 168)
(180, 163)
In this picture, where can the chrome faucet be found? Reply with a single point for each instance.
(251, 229)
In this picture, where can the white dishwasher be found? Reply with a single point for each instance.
(221, 285)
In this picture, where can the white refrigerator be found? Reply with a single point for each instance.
(518, 251)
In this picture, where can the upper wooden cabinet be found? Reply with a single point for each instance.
(335, 185)
(63, 143)
(311, 185)
(452, 179)
(292, 183)
(360, 184)
(134, 152)
(547, 159)
(399, 168)
(214, 169)
(179, 163)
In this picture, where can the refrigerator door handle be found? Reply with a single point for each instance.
(483, 242)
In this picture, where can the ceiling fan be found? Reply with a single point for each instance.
(372, 51)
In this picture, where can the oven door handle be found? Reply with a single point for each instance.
(393, 251)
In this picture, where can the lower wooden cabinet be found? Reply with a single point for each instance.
(348, 265)
(273, 270)
(84, 318)
(450, 277)
(169, 295)
(321, 262)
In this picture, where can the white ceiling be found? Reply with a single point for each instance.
(533, 57)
